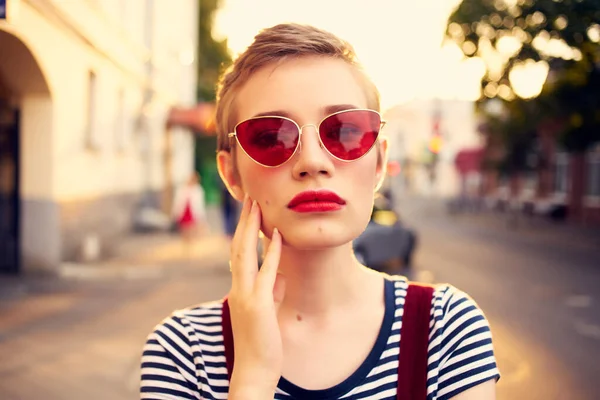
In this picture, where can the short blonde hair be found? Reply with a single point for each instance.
(277, 44)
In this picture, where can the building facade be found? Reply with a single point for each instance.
(425, 138)
(85, 88)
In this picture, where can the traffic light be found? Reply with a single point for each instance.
(435, 143)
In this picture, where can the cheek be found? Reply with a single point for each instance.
(364, 174)
(262, 184)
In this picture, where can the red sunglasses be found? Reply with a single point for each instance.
(272, 140)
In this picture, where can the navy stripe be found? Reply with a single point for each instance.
(180, 356)
(165, 367)
(176, 393)
(370, 394)
(466, 386)
(457, 332)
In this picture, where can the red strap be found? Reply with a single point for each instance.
(414, 342)
(227, 337)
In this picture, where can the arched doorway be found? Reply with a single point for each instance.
(24, 97)
(9, 188)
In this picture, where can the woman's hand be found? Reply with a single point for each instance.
(254, 299)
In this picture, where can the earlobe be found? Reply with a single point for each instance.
(230, 178)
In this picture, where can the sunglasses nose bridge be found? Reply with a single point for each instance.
(304, 126)
(316, 130)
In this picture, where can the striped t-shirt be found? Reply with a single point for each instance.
(184, 358)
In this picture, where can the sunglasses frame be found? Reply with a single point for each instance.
(233, 135)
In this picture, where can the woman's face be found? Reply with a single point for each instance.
(307, 90)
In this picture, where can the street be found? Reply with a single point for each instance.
(81, 339)
(539, 292)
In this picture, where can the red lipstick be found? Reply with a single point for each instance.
(316, 201)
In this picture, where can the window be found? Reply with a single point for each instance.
(120, 127)
(561, 173)
(593, 175)
(91, 127)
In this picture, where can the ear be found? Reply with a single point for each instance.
(382, 161)
(229, 175)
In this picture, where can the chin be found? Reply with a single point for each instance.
(309, 238)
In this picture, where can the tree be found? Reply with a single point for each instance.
(212, 56)
(563, 36)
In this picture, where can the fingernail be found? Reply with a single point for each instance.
(253, 205)
(275, 231)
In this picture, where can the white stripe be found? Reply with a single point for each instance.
(176, 353)
(168, 385)
(384, 367)
(393, 339)
(473, 378)
(458, 336)
(375, 384)
(457, 359)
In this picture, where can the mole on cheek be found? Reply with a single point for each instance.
(299, 317)
(267, 202)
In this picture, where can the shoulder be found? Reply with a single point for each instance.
(451, 308)
(447, 301)
(193, 325)
(461, 351)
(184, 356)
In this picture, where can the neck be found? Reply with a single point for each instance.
(321, 281)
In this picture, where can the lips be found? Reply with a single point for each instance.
(316, 201)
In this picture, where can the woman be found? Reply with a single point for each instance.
(312, 323)
(189, 211)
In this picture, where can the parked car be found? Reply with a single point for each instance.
(386, 239)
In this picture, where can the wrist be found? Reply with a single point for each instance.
(249, 388)
(249, 392)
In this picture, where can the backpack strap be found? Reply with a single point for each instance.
(414, 343)
(227, 337)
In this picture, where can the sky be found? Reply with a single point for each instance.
(399, 42)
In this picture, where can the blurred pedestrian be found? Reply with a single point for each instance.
(189, 212)
(230, 212)
(312, 322)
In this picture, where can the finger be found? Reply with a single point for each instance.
(267, 275)
(247, 254)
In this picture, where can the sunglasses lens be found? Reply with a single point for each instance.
(269, 141)
(349, 135)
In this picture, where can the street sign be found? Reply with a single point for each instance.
(2, 9)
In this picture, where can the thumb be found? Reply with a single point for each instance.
(279, 290)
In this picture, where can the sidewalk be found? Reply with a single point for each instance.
(79, 334)
(30, 297)
(147, 255)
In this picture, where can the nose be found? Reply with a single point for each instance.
(311, 159)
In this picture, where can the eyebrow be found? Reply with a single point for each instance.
(276, 113)
(326, 111)
(339, 107)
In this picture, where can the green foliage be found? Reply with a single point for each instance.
(579, 101)
(212, 54)
(516, 134)
(571, 94)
